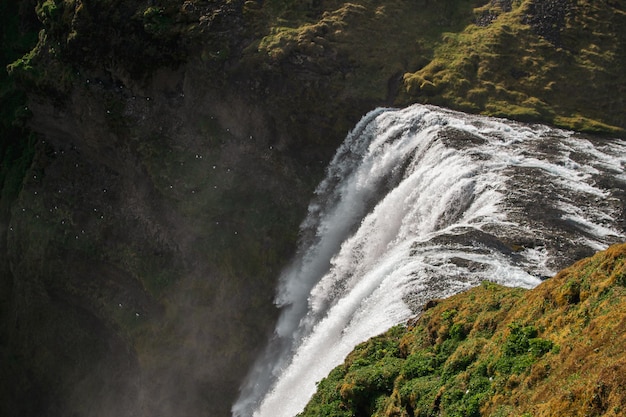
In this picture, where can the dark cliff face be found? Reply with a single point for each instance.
(177, 146)
(149, 229)
(144, 247)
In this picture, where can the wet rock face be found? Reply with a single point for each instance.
(161, 216)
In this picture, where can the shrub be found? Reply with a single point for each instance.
(538, 347)
(418, 365)
(363, 385)
(458, 331)
(518, 341)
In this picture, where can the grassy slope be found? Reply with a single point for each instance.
(558, 62)
(555, 350)
(569, 77)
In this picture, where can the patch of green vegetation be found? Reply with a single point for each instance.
(520, 350)
(507, 65)
(50, 13)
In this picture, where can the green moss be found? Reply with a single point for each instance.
(533, 78)
(363, 386)
(48, 11)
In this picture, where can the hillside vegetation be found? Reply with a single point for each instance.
(556, 350)
(556, 61)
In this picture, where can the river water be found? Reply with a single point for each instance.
(422, 203)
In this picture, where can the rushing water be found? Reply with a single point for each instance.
(422, 203)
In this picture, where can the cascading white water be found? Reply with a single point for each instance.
(422, 203)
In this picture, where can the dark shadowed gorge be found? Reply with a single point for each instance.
(157, 158)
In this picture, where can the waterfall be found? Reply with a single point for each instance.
(422, 203)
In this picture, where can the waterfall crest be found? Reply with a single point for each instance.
(422, 203)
